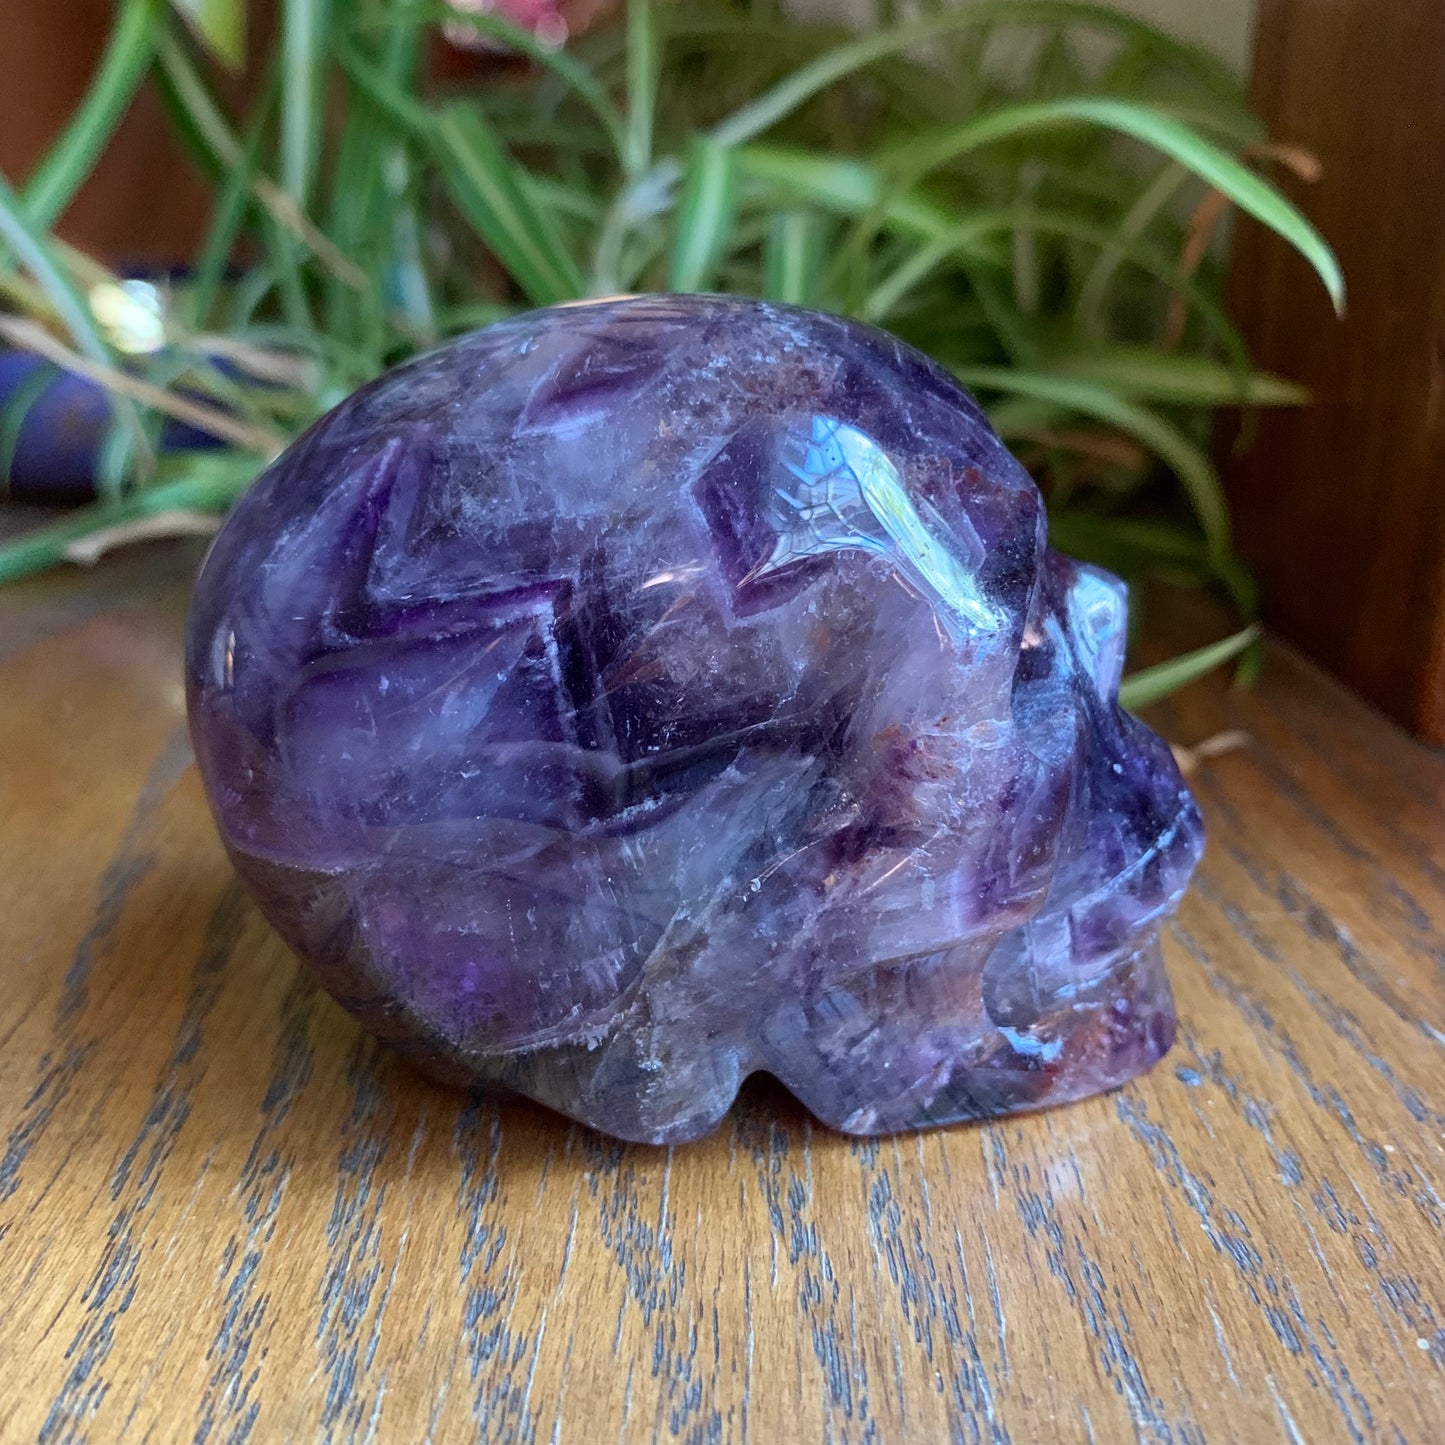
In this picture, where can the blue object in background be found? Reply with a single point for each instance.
(62, 418)
(58, 448)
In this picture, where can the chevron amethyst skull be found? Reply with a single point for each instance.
(636, 695)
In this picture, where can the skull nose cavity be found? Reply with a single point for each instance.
(1098, 610)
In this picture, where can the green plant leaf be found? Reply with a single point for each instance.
(15, 410)
(397, 102)
(1150, 684)
(305, 27)
(209, 483)
(35, 253)
(220, 26)
(964, 240)
(704, 215)
(229, 210)
(197, 148)
(1251, 193)
(1021, 337)
(128, 54)
(789, 94)
(1187, 461)
(840, 183)
(123, 383)
(470, 318)
(642, 70)
(843, 185)
(286, 222)
(565, 199)
(891, 288)
(491, 190)
(1135, 221)
(793, 256)
(561, 64)
(1176, 379)
(1128, 545)
(375, 209)
(209, 127)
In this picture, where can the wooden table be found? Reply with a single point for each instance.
(225, 1215)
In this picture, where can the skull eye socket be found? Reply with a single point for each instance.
(1037, 651)
(1098, 621)
(1098, 612)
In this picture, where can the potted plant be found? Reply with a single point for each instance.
(1025, 189)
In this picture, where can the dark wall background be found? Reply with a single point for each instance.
(144, 203)
(1340, 506)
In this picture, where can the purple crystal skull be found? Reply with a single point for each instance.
(636, 695)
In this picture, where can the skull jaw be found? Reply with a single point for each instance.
(864, 1057)
(907, 1074)
(1119, 1030)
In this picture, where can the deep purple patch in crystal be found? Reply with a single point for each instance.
(636, 695)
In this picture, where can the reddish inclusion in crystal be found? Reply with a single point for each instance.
(635, 695)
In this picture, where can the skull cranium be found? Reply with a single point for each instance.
(633, 696)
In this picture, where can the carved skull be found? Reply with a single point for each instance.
(636, 695)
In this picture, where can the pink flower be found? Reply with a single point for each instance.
(544, 18)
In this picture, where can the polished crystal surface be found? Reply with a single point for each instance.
(636, 695)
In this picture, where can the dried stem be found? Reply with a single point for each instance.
(31, 337)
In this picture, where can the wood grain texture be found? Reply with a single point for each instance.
(225, 1215)
(1340, 505)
